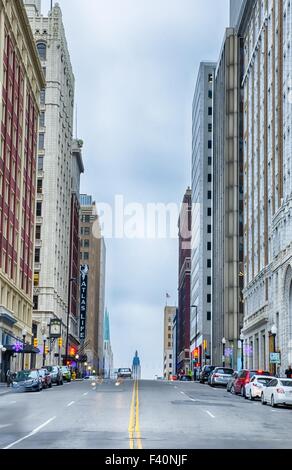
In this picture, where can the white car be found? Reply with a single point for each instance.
(278, 392)
(254, 388)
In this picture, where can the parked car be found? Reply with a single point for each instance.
(56, 374)
(205, 372)
(185, 378)
(124, 373)
(173, 378)
(254, 388)
(230, 384)
(28, 380)
(220, 376)
(46, 378)
(277, 392)
(244, 377)
(66, 373)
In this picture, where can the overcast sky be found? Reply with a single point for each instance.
(135, 64)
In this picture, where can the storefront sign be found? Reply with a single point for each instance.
(83, 299)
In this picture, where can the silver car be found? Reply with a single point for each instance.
(220, 376)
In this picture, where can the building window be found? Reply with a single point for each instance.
(42, 119)
(35, 302)
(169, 345)
(169, 336)
(210, 161)
(170, 356)
(40, 163)
(37, 255)
(210, 127)
(210, 111)
(209, 246)
(209, 298)
(210, 78)
(209, 178)
(209, 144)
(39, 209)
(210, 94)
(209, 281)
(44, 71)
(209, 263)
(36, 279)
(209, 228)
(170, 365)
(41, 141)
(86, 243)
(38, 232)
(86, 255)
(209, 194)
(209, 316)
(85, 219)
(42, 50)
(43, 97)
(209, 212)
(39, 186)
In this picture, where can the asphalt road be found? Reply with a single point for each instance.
(149, 415)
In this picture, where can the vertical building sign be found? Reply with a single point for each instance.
(83, 299)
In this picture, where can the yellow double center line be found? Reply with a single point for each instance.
(134, 423)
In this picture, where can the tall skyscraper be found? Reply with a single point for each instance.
(93, 254)
(169, 315)
(266, 78)
(21, 80)
(227, 305)
(184, 285)
(202, 194)
(53, 206)
(108, 359)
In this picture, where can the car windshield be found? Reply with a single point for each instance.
(124, 370)
(25, 375)
(258, 372)
(264, 381)
(224, 371)
(286, 383)
(42, 372)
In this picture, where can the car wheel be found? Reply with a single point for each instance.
(50, 386)
(263, 400)
(232, 390)
(274, 405)
(250, 396)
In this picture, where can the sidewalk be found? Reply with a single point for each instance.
(4, 390)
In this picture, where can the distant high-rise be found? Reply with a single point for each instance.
(202, 195)
(108, 360)
(93, 254)
(54, 173)
(182, 346)
(169, 314)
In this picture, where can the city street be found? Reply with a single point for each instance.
(147, 414)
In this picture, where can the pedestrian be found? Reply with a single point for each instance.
(288, 372)
(195, 374)
(8, 378)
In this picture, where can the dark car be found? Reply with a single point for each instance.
(244, 377)
(56, 374)
(185, 378)
(205, 372)
(46, 378)
(230, 385)
(28, 380)
(125, 373)
(220, 376)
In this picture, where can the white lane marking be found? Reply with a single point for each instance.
(5, 425)
(84, 394)
(11, 402)
(210, 414)
(175, 386)
(35, 431)
(71, 403)
(192, 399)
(183, 393)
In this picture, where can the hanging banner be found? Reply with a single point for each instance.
(83, 300)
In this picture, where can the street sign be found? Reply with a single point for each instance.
(275, 358)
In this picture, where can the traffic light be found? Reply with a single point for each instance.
(35, 342)
(205, 345)
(46, 349)
(72, 351)
(60, 342)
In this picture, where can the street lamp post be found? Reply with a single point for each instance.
(44, 350)
(242, 349)
(274, 331)
(192, 361)
(24, 333)
(68, 317)
(2, 351)
(223, 357)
